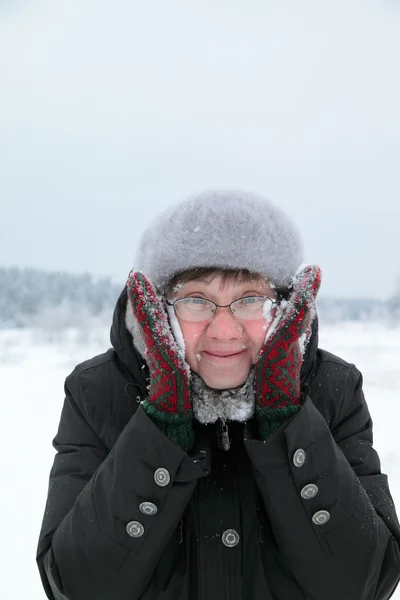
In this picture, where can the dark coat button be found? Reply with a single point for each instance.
(148, 508)
(230, 538)
(135, 529)
(299, 458)
(162, 477)
(309, 491)
(321, 517)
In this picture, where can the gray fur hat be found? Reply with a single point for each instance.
(232, 230)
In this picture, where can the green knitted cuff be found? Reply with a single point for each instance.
(178, 428)
(271, 419)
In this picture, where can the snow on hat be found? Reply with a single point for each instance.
(229, 230)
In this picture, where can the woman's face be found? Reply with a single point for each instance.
(223, 349)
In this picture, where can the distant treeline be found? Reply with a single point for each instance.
(31, 297)
(52, 301)
(358, 309)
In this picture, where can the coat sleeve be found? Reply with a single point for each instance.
(341, 539)
(84, 549)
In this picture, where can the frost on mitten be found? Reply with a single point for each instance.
(168, 403)
(277, 374)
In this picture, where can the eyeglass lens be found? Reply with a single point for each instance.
(199, 309)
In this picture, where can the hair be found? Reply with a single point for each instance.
(227, 276)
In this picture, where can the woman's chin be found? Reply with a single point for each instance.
(223, 381)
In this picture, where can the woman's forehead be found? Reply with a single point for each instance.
(220, 283)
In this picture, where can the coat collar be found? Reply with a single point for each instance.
(310, 354)
(122, 341)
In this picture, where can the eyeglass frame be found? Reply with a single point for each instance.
(274, 302)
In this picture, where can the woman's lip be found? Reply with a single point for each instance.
(223, 354)
(223, 359)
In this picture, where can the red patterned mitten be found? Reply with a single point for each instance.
(168, 403)
(277, 372)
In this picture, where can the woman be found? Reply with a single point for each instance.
(215, 452)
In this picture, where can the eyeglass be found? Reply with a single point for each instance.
(201, 309)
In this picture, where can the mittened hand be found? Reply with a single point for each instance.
(168, 403)
(277, 373)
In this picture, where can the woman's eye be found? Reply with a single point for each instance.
(250, 300)
(196, 304)
(197, 301)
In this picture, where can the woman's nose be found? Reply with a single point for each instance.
(224, 326)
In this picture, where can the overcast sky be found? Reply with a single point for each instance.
(110, 111)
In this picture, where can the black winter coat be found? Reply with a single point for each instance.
(306, 514)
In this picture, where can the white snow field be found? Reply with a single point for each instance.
(32, 373)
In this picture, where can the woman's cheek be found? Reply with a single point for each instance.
(192, 355)
(191, 335)
(257, 331)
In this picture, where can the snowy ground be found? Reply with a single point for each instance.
(32, 372)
